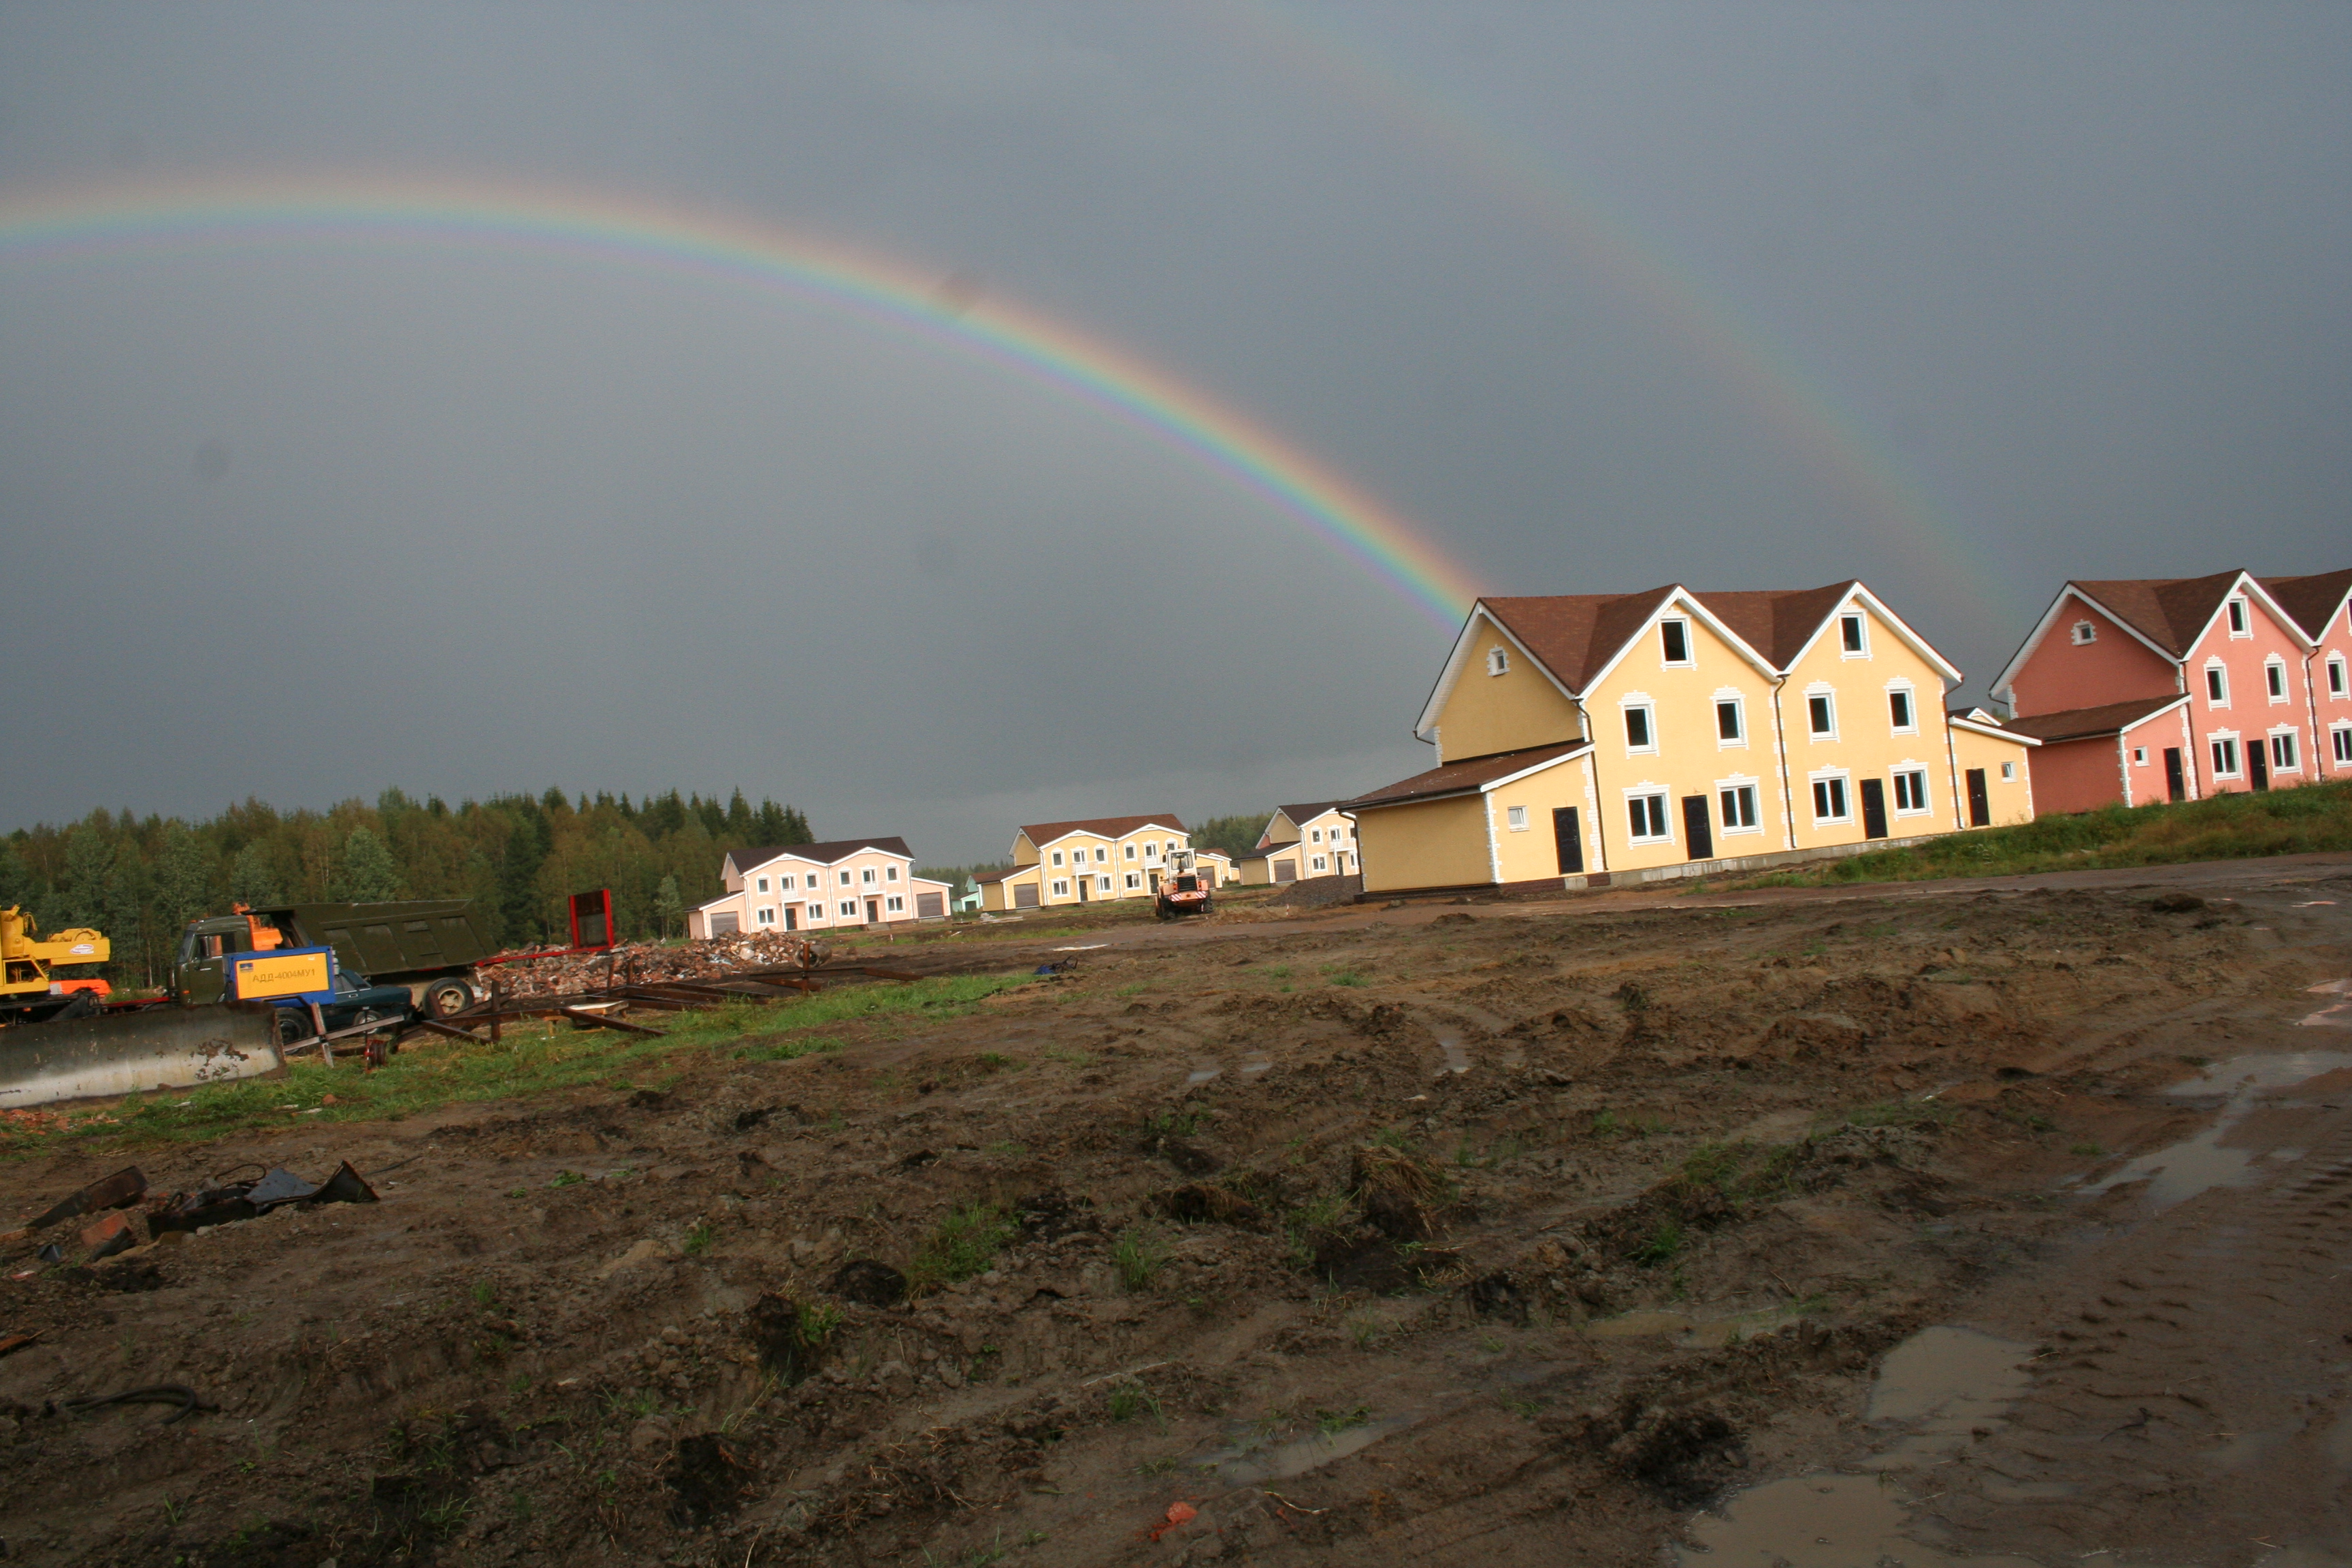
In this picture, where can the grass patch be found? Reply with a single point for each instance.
(1137, 1256)
(963, 1244)
(2313, 819)
(528, 1062)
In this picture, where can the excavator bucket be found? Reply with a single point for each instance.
(169, 1047)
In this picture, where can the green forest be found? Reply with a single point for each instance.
(139, 879)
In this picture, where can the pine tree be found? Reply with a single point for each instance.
(369, 874)
(668, 908)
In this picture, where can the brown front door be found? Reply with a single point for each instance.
(2258, 761)
(2176, 786)
(1699, 830)
(1567, 840)
(873, 912)
(1979, 800)
(1873, 808)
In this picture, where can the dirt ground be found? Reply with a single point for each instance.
(2008, 1218)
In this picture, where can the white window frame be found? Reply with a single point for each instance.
(1322, 864)
(889, 873)
(1058, 857)
(1917, 774)
(2274, 679)
(2215, 666)
(1516, 817)
(1134, 880)
(1841, 777)
(2009, 773)
(866, 875)
(1150, 852)
(1131, 851)
(813, 911)
(897, 904)
(1498, 661)
(1690, 644)
(848, 909)
(1102, 854)
(2341, 737)
(2339, 679)
(2082, 632)
(2240, 619)
(813, 879)
(764, 884)
(1738, 703)
(2233, 767)
(1754, 805)
(1910, 696)
(1857, 619)
(1640, 702)
(2283, 741)
(764, 915)
(1821, 694)
(1102, 885)
(1062, 887)
(1658, 812)
(1315, 835)
(2139, 756)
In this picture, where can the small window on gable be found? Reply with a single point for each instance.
(2139, 756)
(1518, 818)
(1899, 709)
(1727, 726)
(1850, 634)
(2237, 626)
(2008, 772)
(2274, 674)
(2084, 632)
(1499, 659)
(1674, 641)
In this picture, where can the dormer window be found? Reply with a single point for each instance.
(2237, 625)
(1674, 641)
(1849, 637)
(2084, 632)
(1498, 661)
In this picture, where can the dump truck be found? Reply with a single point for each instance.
(428, 945)
(1183, 888)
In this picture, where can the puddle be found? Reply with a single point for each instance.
(1251, 1069)
(1819, 1521)
(1690, 1331)
(2338, 1016)
(1946, 1384)
(1202, 1072)
(2200, 1163)
(1457, 1058)
(1241, 1466)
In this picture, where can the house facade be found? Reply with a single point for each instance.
(1312, 839)
(1085, 862)
(2322, 608)
(1580, 737)
(850, 882)
(2148, 690)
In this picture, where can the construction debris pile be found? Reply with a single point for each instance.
(639, 963)
(223, 1199)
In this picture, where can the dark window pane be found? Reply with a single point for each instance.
(1726, 721)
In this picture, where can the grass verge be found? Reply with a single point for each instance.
(532, 1059)
(2314, 819)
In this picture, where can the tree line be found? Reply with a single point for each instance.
(518, 856)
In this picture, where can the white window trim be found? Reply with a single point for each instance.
(1498, 661)
(2139, 756)
(1643, 701)
(889, 873)
(1738, 782)
(1926, 806)
(2211, 665)
(2284, 692)
(764, 915)
(898, 904)
(2291, 734)
(2340, 741)
(2009, 773)
(1825, 776)
(1854, 613)
(1517, 817)
(2237, 750)
(1135, 878)
(2083, 633)
(1911, 694)
(2339, 678)
(1689, 660)
(848, 909)
(1062, 887)
(764, 884)
(1632, 792)
(2237, 616)
(1738, 700)
(1102, 885)
(1824, 689)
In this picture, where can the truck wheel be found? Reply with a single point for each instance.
(291, 1025)
(443, 997)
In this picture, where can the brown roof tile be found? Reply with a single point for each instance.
(1576, 634)
(2076, 723)
(1778, 623)
(1044, 833)
(1456, 778)
(2167, 611)
(823, 854)
(2311, 600)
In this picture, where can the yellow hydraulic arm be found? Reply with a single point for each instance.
(25, 955)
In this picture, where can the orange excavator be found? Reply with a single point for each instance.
(29, 991)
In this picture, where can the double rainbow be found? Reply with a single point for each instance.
(756, 258)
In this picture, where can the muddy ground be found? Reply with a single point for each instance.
(1495, 1234)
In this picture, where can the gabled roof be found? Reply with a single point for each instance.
(746, 861)
(1044, 833)
(1468, 777)
(2170, 611)
(2314, 602)
(983, 878)
(1576, 634)
(1302, 815)
(2079, 723)
(1780, 623)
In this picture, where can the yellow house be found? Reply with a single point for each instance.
(1085, 862)
(1582, 738)
(1315, 839)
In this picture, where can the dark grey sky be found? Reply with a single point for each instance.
(1962, 299)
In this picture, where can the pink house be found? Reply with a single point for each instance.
(846, 884)
(2168, 689)
(2322, 606)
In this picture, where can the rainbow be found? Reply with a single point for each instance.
(741, 254)
(1801, 410)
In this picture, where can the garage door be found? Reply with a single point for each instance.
(931, 906)
(1285, 870)
(1025, 896)
(727, 924)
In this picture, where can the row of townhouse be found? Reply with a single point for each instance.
(1313, 840)
(1094, 860)
(1585, 737)
(849, 882)
(2156, 689)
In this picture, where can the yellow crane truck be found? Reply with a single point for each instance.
(29, 990)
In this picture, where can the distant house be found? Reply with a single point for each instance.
(1580, 737)
(850, 882)
(1219, 865)
(1315, 839)
(2148, 690)
(967, 901)
(2322, 606)
(1083, 862)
